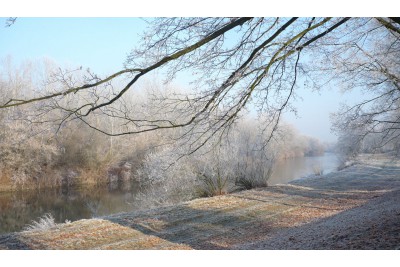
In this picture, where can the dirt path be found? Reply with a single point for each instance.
(356, 208)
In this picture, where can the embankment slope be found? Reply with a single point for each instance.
(356, 208)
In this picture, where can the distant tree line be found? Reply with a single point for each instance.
(38, 153)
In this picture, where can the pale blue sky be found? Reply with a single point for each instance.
(99, 43)
(103, 43)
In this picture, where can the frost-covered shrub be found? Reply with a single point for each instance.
(254, 159)
(213, 185)
(27, 157)
(317, 170)
(257, 177)
(164, 181)
(238, 162)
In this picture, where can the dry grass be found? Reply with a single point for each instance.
(5, 181)
(223, 222)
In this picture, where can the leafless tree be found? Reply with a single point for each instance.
(369, 62)
(234, 63)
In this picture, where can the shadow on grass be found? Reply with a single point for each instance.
(199, 229)
(250, 217)
(12, 242)
(373, 225)
(209, 229)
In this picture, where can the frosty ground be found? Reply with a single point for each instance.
(355, 208)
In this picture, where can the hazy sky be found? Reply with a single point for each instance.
(103, 43)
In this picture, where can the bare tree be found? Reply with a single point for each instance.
(234, 62)
(370, 62)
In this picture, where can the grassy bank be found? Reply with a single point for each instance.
(248, 219)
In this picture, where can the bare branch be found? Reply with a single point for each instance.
(10, 21)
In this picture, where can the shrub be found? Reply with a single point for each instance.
(247, 182)
(212, 185)
(318, 171)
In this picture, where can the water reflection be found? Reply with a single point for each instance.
(17, 209)
(287, 170)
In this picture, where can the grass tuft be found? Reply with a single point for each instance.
(318, 171)
(244, 182)
(45, 222)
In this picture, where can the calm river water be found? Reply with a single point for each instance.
(17, 209)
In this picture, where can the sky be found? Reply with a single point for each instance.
(102, 44)
(99, 43)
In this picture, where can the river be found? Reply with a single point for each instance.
(18, 209)
(287, 170)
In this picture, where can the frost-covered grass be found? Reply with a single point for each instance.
(44, 223)
(355, 208)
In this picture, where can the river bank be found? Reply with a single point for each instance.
(75, 201)
(356, 208)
